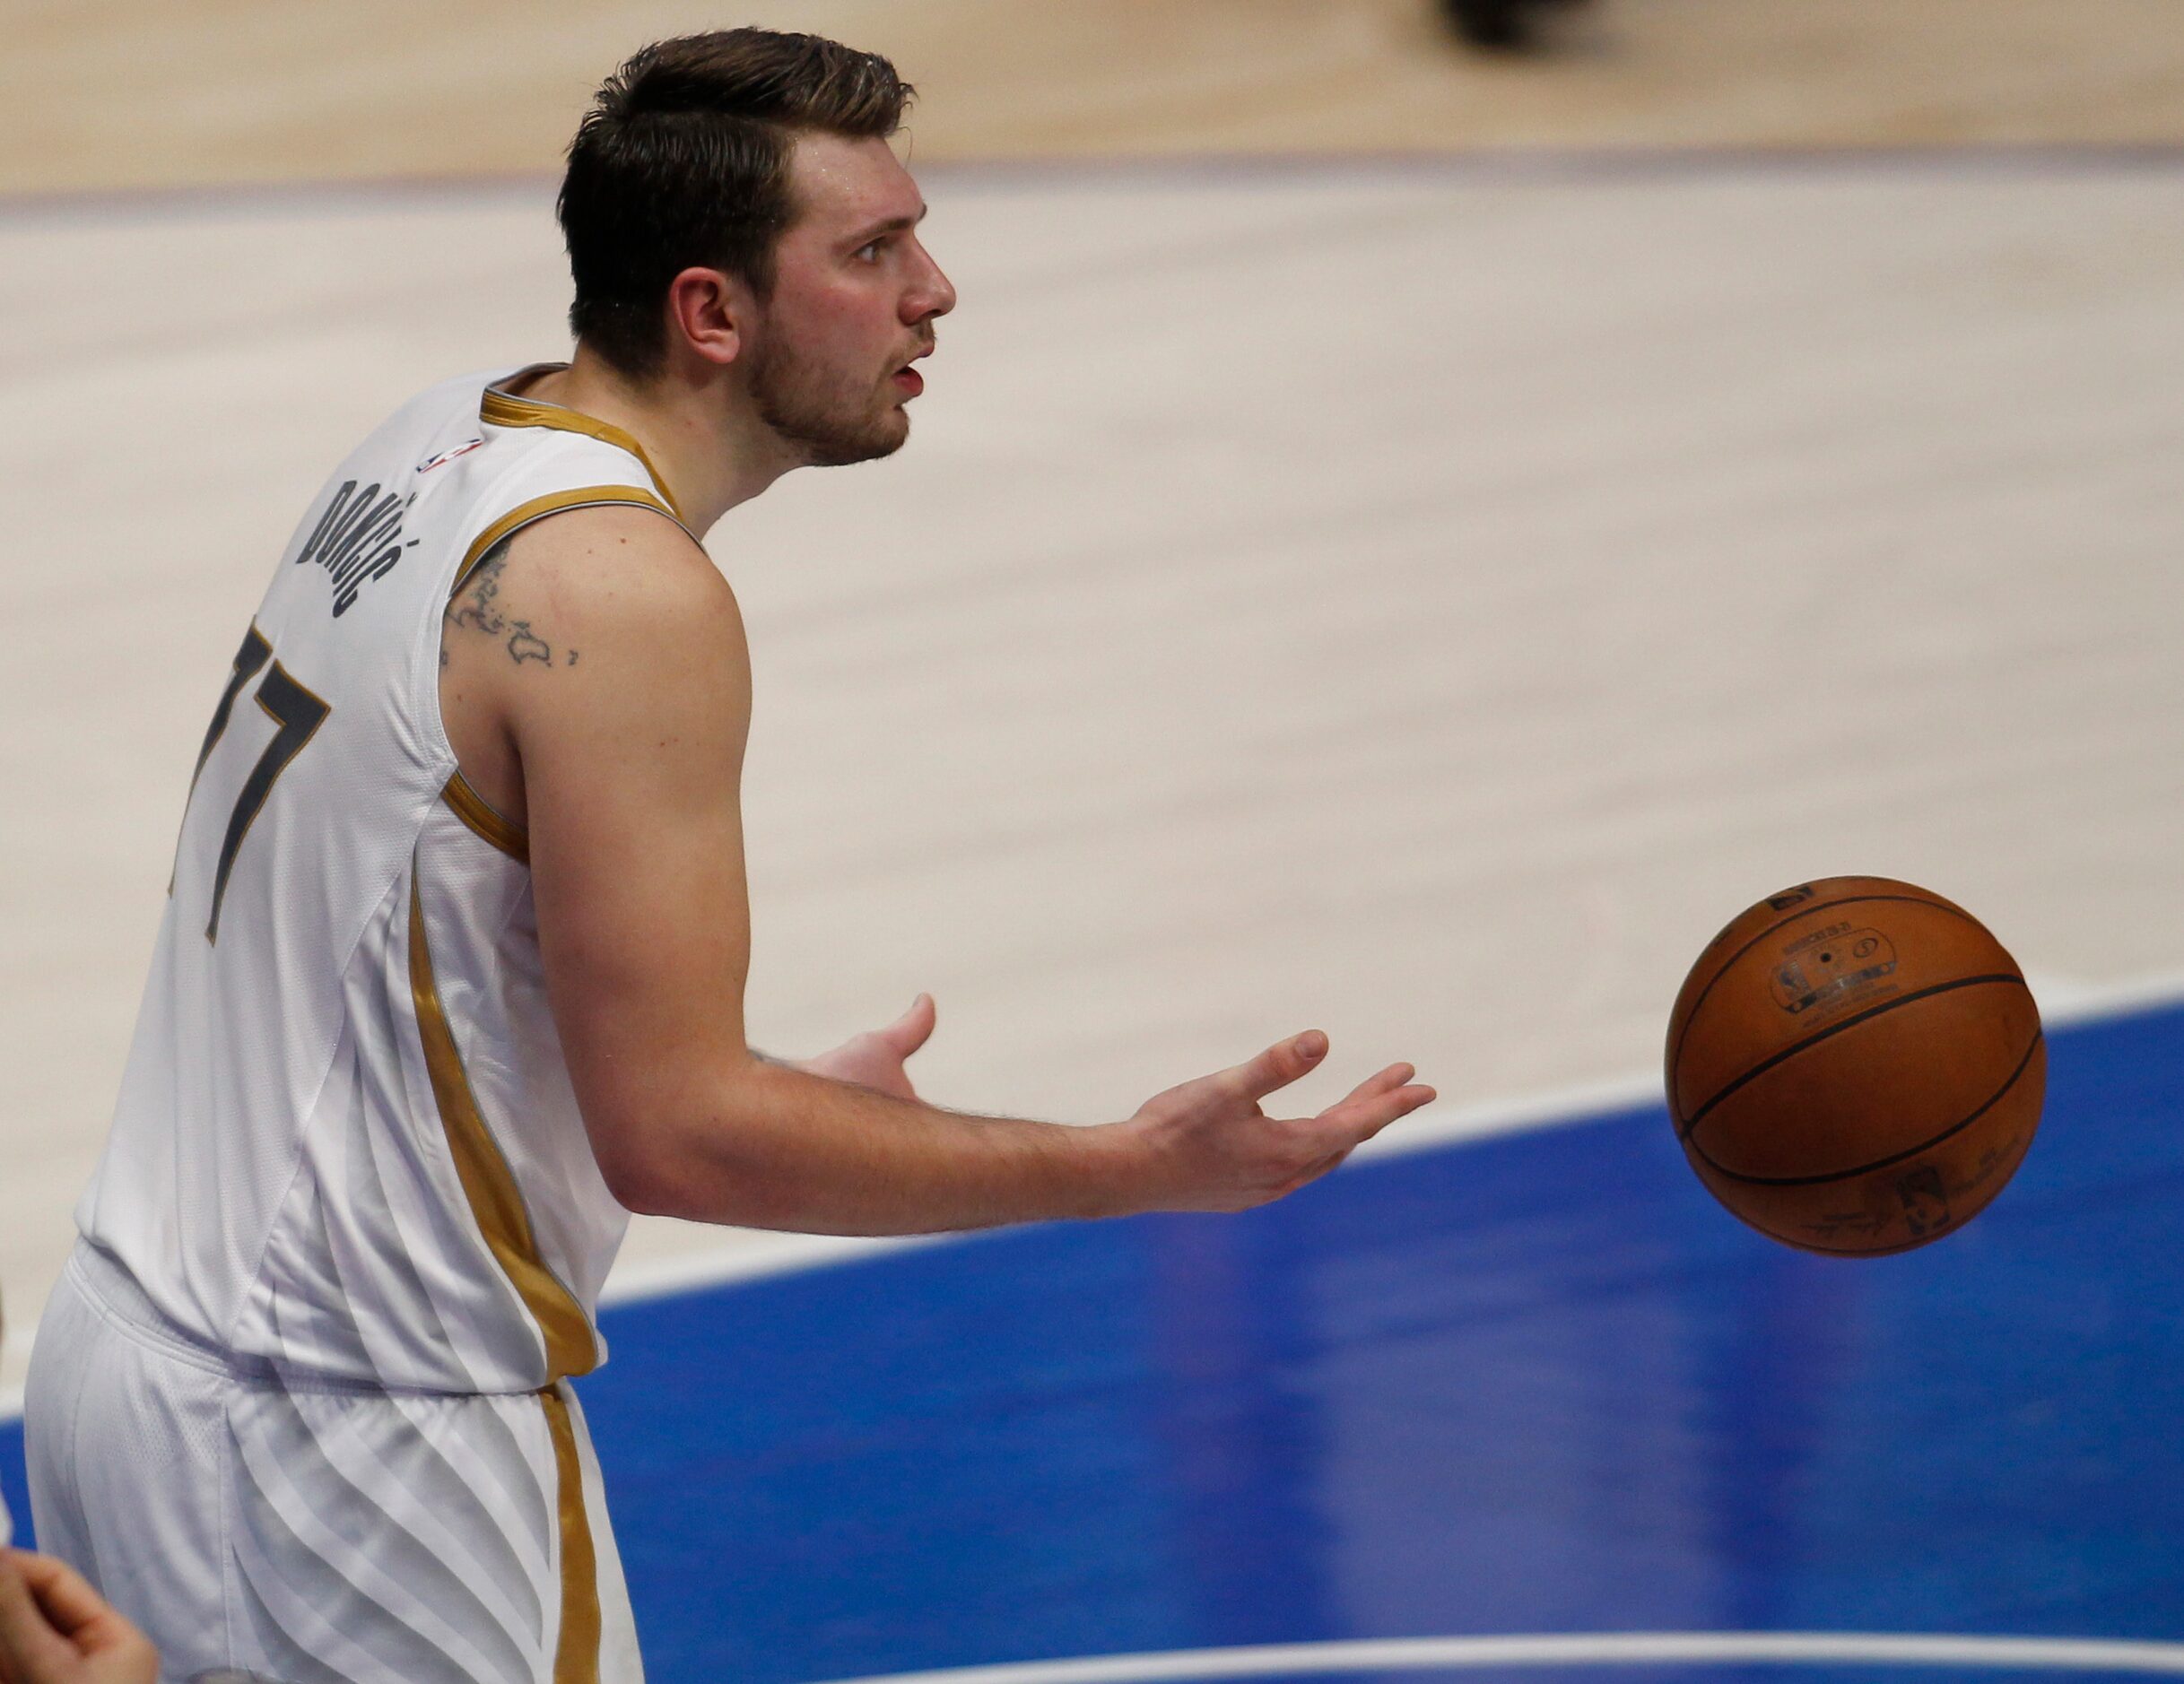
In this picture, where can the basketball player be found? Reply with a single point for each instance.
(452, 974)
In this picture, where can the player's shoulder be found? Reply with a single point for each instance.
(633, 554)
(610, 576)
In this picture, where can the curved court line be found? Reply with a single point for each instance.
(1601, 1648)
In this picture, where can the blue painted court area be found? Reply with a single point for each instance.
(1535, 1384)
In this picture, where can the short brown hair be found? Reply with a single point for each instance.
(684, 159)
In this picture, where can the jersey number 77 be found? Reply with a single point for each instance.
(296, 715)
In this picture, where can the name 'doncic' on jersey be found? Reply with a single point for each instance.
(358, 539)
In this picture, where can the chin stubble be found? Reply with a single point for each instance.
(828, 434)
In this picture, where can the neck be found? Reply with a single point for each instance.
(710, 444)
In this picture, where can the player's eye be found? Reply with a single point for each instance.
(869, 252)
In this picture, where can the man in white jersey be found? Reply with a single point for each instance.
(452, 976)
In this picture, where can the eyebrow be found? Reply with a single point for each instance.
(893, 224)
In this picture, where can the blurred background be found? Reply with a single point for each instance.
(1421, 515)
(116, 93)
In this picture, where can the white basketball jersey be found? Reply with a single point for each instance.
(347, 1140)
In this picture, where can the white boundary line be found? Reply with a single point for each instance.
(14, 1344)
(1606, 1648)
(2065, 1004)
(753, 1259)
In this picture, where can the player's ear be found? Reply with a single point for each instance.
(712, 313)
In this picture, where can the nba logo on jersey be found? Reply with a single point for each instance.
(442, 457)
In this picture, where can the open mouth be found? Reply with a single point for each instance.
(908, 379)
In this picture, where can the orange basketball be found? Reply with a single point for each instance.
(1855, 1066)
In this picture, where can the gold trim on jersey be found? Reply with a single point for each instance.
(495, 1200)
(502, 409)
(538, 508)
(475, 812)
(576, 1653)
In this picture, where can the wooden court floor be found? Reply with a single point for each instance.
(1421, 597)
(107, 94)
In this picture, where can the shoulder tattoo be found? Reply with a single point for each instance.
(477, 609)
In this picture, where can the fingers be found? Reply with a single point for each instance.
(1363, 1120)
(1394, 1076)
(87, 1620)
(1279, 1065)
(30, 1648)
(1376, 1102)
(912, 1030)
(66, 1597)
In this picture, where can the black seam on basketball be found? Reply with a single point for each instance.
(1675, 1053)
(1986, 1104)
(1684, 1131)
(1787, 918)
(1861, 1251)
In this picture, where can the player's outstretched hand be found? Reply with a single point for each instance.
(876, 1058)
(1214, 1149)
(56, 1630)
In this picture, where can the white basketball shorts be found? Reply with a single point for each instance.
(313, 1531)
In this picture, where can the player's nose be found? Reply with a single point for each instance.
(931, 294)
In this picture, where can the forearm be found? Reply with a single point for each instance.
(775, 1147)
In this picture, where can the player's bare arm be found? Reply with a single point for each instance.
(625, 766)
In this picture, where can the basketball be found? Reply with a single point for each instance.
(1855, 1066)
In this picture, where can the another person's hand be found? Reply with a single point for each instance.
(1216, 1150)
(56, 1630)
(876, 1058)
